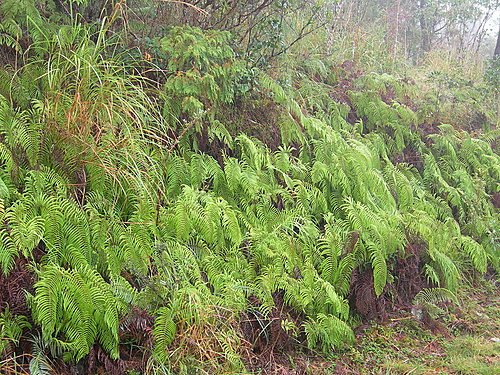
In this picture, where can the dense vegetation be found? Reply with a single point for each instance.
(185, 198)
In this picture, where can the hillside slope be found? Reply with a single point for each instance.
(178, 211)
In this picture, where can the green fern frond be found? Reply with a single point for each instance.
(74, 309)
(328, 332)
(433, 296)
(476, 252)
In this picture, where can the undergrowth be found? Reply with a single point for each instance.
(466, 344)
(160, 237)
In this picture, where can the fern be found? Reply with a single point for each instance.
(164, 333)
(11, 329)
(101, 175)
(74, 309)
(429, 299)
(433, 296)
(476, 253)
(327, 331)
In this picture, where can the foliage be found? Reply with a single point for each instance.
(74, 309)
(204, 72)
(11, 329)
(104, 191)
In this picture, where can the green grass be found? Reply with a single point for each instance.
(404, 346)
(473, 355)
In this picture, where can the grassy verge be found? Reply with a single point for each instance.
(467, 341)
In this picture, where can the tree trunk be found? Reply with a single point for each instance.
(424, 28)
(496, 54)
